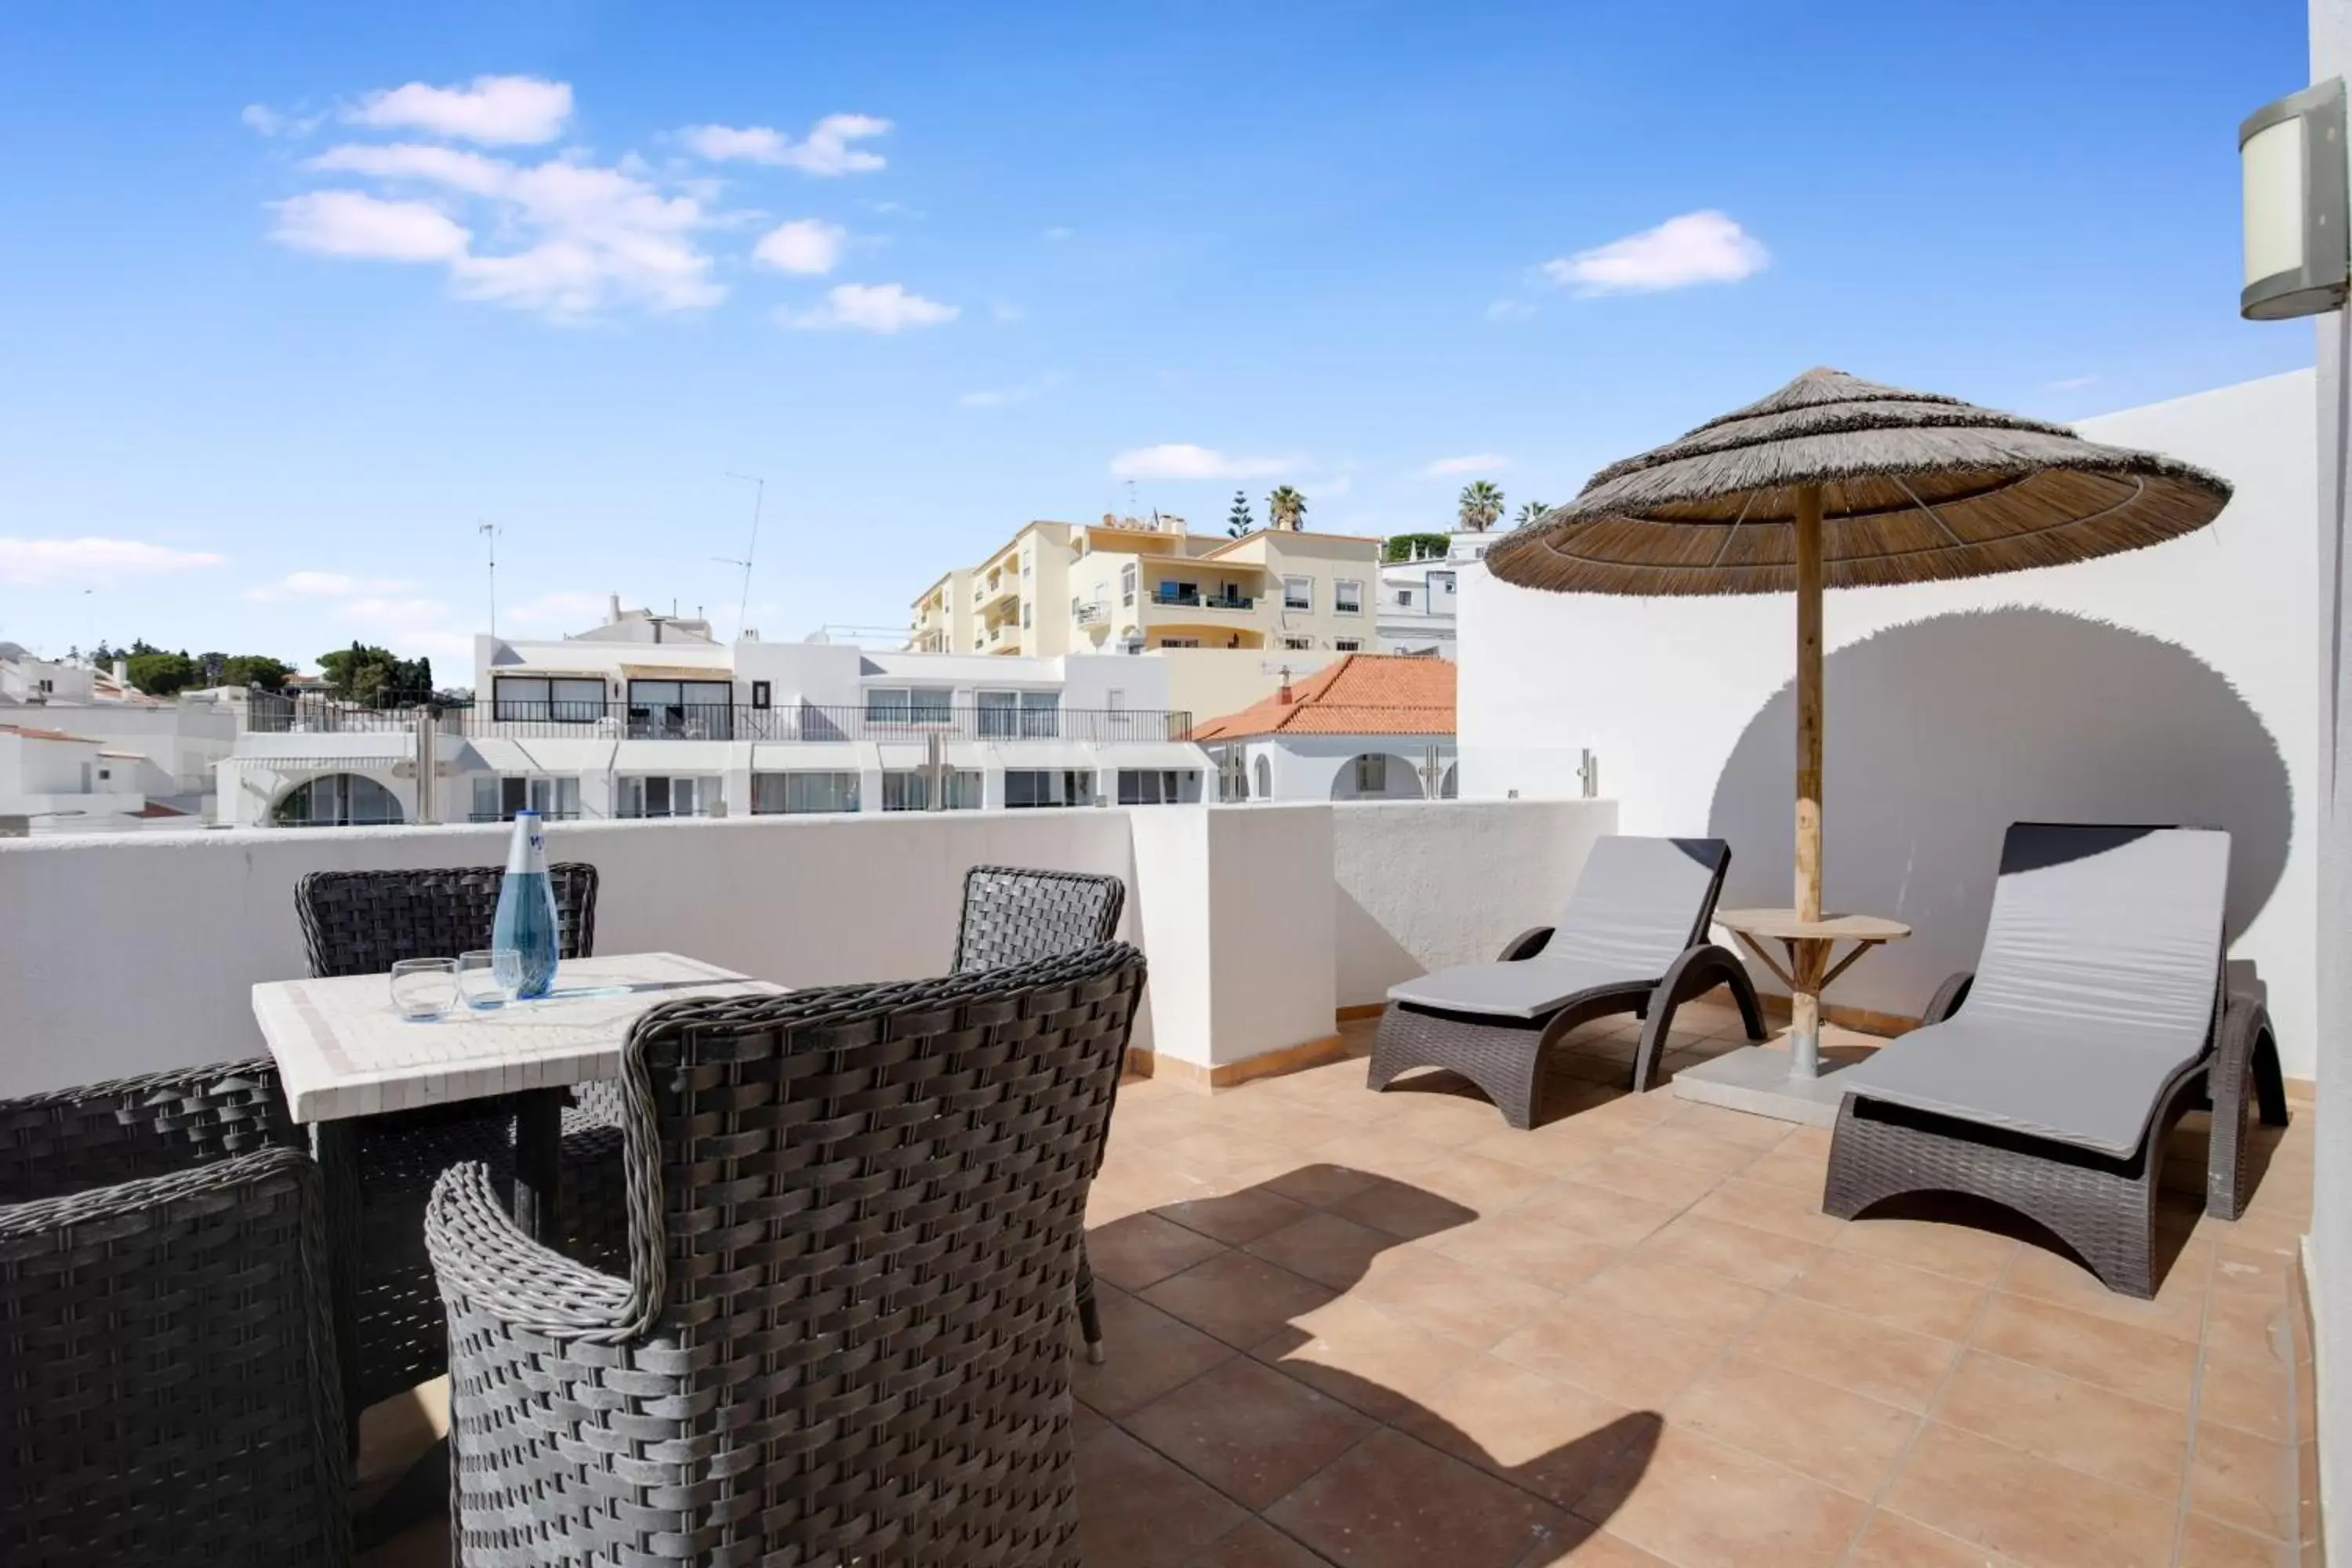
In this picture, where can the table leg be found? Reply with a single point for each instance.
(335, 1146)
(1805, 956)
(539, 1145)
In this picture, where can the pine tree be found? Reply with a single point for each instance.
(1239, 521)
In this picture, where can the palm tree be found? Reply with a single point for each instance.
(1285, 508)
(1528, 513)
(1482, 506)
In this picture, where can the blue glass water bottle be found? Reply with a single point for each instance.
(525, 925)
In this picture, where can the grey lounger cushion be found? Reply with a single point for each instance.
(1638, 903)
(2095, 988)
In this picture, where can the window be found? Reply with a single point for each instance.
(660, 797)
(1233, 777)
(497, 799)
(1440, 582)
(681, 709)
(1173, 592)
(1296, 644)
(1025, 559)
(802, 794)
(1348, 645)
(1127, 583)
(1347, 597)
(547, 698)
(762, 694)
(1024, 613)
(1298, 592)
(1158, 787)
(1179, 642)
(909, 705)
(1404, 598)
(1048, 786)
(337, 800)
(1372, 774)
(1032, 715)
(909, 789)
(1264, 770)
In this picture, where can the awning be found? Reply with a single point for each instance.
(675, 756)
(344, 761)
(960, 754)
(1054, 754)
(1170, 754)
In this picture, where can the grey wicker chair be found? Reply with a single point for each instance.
(843, 1335)
(2048, 1079)
(362, 923)
(1632, 940)
(173, 1396)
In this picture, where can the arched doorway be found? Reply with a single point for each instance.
(1376, 775)
(337, 800)
(1262, 779)
(1450, 787)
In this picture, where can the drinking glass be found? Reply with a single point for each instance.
(485, 977)
(423, 989)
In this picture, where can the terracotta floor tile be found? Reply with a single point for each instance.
(1763, 1259)
(2207, 1543)
(2254, 1395)
(1237, 1298)
(2245, 1481)
(1219, 1150)
(1839, 1437)
(2259, 1271)
(2179, 1308)
(1479, 1307)
(1759, 1132)
(2026, 1507)
(1648, 1178)
(1891, 1541)
(1977, 1256)
(2246, 1324)
(1790, 1164)
(1552, 1439)
(1236, 1217)
(1394, 1502)
(1282, 1122)
(1701, 1504)
(1794, 1211)
(2142, 1362)
(1478, 1182)
(1703, 1301)
(1623, 1356)
(1597, 1212)
(1410, 1210)
(1892, 1366)
(2128, 1441)
(1257, 1544)
(1680, 1144)
(1386, 1151)
(1138, 1510)
(1134, 1252)
(1891, 1292)
(1148, 1354)
(1582, 1546)
(1453, 1120)
(1372, 1359)
(1318, 1182)
(1530, 1248)
(1555, 1148)
(1249, 1431)
(1324, 1248)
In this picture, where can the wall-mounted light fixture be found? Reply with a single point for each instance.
(2292, 154)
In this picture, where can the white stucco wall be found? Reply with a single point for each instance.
(2171, 684)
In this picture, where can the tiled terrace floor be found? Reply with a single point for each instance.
(1377, 1330)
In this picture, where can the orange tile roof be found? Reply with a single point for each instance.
(1356, 694)
(29, 733)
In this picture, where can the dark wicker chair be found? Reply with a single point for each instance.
(362, 923)
(844, 1331)
(1632, 939)
(2048, 1079)
(173, 1396)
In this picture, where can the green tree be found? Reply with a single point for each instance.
(1529, 512)
(1482, 505)
(362, 673)
(1239, 521)
(160, 674)
(254, 669)
(1285, 509)
(1410, 546)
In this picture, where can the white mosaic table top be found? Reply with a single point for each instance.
(342, 1051)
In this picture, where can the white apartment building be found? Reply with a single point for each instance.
(1367, 727)
(81, 751)
(625, 726)
(1419, 595)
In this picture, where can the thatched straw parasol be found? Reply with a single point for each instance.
(1833, 481)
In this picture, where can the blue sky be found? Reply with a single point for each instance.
(296, 296)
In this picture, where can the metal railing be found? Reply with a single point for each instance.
(1193, 598)
(809, 721)
(277, 713)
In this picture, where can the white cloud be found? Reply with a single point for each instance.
(1696, 248)
(326, 585)
(1475, 463)
(1182, 460)
(826, 149)
(589, 237)
(1509, 311)
(804, 245)
(38, 563)
(408, 627)
(496, 111)
(352, 223)
(2071, 383)
(870, 308)
(1007, 396)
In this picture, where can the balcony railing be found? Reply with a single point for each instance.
(737, 721)
(1193, 598)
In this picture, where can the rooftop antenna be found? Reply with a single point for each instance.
(490, 532)
(759, 500)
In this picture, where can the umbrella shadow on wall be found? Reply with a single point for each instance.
(1943, 731)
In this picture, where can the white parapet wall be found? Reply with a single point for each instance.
(127, 954)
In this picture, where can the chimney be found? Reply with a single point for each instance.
(1284, 696)
(123, 673)
(613, 614)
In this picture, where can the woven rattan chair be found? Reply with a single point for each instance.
(2048, 1079)
(1632, 939)
(362, 923)
(171, 1388)
(844, 1331)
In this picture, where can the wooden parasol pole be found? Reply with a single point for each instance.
(1805, 1000)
